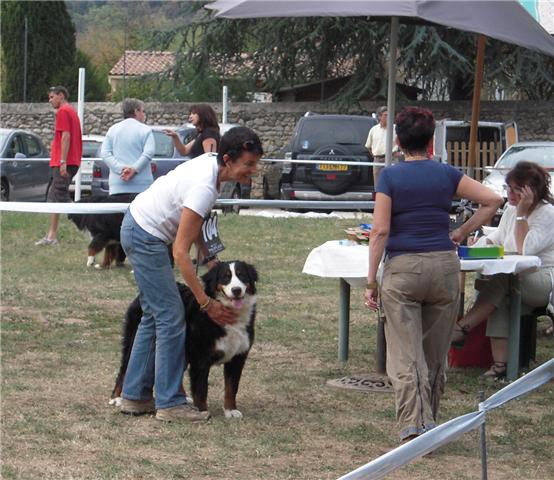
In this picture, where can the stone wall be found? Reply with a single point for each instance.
(275, 122)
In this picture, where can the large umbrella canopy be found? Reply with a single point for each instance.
(504, 20)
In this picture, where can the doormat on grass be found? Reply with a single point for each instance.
(371, 382)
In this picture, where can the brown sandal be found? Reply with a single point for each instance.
(496, 372)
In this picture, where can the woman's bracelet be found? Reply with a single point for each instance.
(371, 285)
(206, 305)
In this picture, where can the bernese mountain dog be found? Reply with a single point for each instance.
(104, 229)
(207, 343)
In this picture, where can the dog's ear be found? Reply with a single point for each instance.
(210, 280)
(252, 275)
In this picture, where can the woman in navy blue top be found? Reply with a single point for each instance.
(420, 283)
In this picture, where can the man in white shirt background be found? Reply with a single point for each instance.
(377, 142)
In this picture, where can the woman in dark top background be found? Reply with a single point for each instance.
(420, 285)
(204, 119)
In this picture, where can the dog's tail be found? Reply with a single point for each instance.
(130, 327)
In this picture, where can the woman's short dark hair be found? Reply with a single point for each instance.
(529, 173)
(206, 115)
(238, 140)
(415, 127)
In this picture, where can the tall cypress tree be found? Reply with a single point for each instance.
(50, 48)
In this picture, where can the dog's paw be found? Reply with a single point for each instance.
(232, 413)
(90, 261)
(116, 402)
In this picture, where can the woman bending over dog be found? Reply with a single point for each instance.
(172, 210)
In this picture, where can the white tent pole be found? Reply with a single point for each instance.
(224, 101)
(81, 114)
(391, 92)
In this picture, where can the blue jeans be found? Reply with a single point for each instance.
(158, 355)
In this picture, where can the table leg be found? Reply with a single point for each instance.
(514, 332)
(344, 318)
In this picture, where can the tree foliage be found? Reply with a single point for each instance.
(52, 58)
(281, 52)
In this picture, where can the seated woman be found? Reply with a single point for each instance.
(525, 228)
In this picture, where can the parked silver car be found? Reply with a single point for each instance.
(92, 145)
(541, 153)
(21, 179)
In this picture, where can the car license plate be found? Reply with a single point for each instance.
(328, 167)
(86, 178)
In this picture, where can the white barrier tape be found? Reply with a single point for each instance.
(534, 379)
(452, 429)
(417, 447)
(41, 207)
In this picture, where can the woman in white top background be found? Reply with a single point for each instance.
(171, 211)
(526, 227)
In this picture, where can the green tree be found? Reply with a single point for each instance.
(51, 48)
(287, 51)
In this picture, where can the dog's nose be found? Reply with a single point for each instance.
(236, 291)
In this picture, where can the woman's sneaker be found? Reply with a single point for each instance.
(137, 407)
(182, 413)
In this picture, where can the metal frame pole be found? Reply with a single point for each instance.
(483, 441)
(81, 114)
(514, 331)
(391, 91)
(224, 107)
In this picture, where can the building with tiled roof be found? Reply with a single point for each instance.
(135, 64)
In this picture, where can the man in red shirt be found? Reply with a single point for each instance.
(65, 156)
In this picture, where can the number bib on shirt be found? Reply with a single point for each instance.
(210, 234)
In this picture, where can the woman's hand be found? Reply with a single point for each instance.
(457, 236)
(527, 199)
(371, 296)
(170, 133)
(221, 314)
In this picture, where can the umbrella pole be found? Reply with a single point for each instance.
(476, 105)
(391, 92)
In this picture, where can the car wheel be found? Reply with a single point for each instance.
(233, 208)
(5, 191)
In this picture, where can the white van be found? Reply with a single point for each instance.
(451, 143)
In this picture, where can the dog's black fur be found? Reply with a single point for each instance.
(104, 228)
(205, 343)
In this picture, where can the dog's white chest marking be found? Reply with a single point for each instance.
(234, 343)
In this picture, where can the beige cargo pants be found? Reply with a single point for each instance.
(420, 294)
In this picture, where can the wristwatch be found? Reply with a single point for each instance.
(523, 218)
(371, 285)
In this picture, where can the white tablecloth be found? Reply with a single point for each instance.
(342, 259)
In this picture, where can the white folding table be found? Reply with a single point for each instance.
(349, 263)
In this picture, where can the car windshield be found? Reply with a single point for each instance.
(164, 145)
(91, 149)
(543, 155)
(318, 132)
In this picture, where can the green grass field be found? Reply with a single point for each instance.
(60, 352)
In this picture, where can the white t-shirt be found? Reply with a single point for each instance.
(192, 184)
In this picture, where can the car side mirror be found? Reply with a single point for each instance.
(20, 156)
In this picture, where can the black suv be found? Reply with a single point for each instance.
(329, 137)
